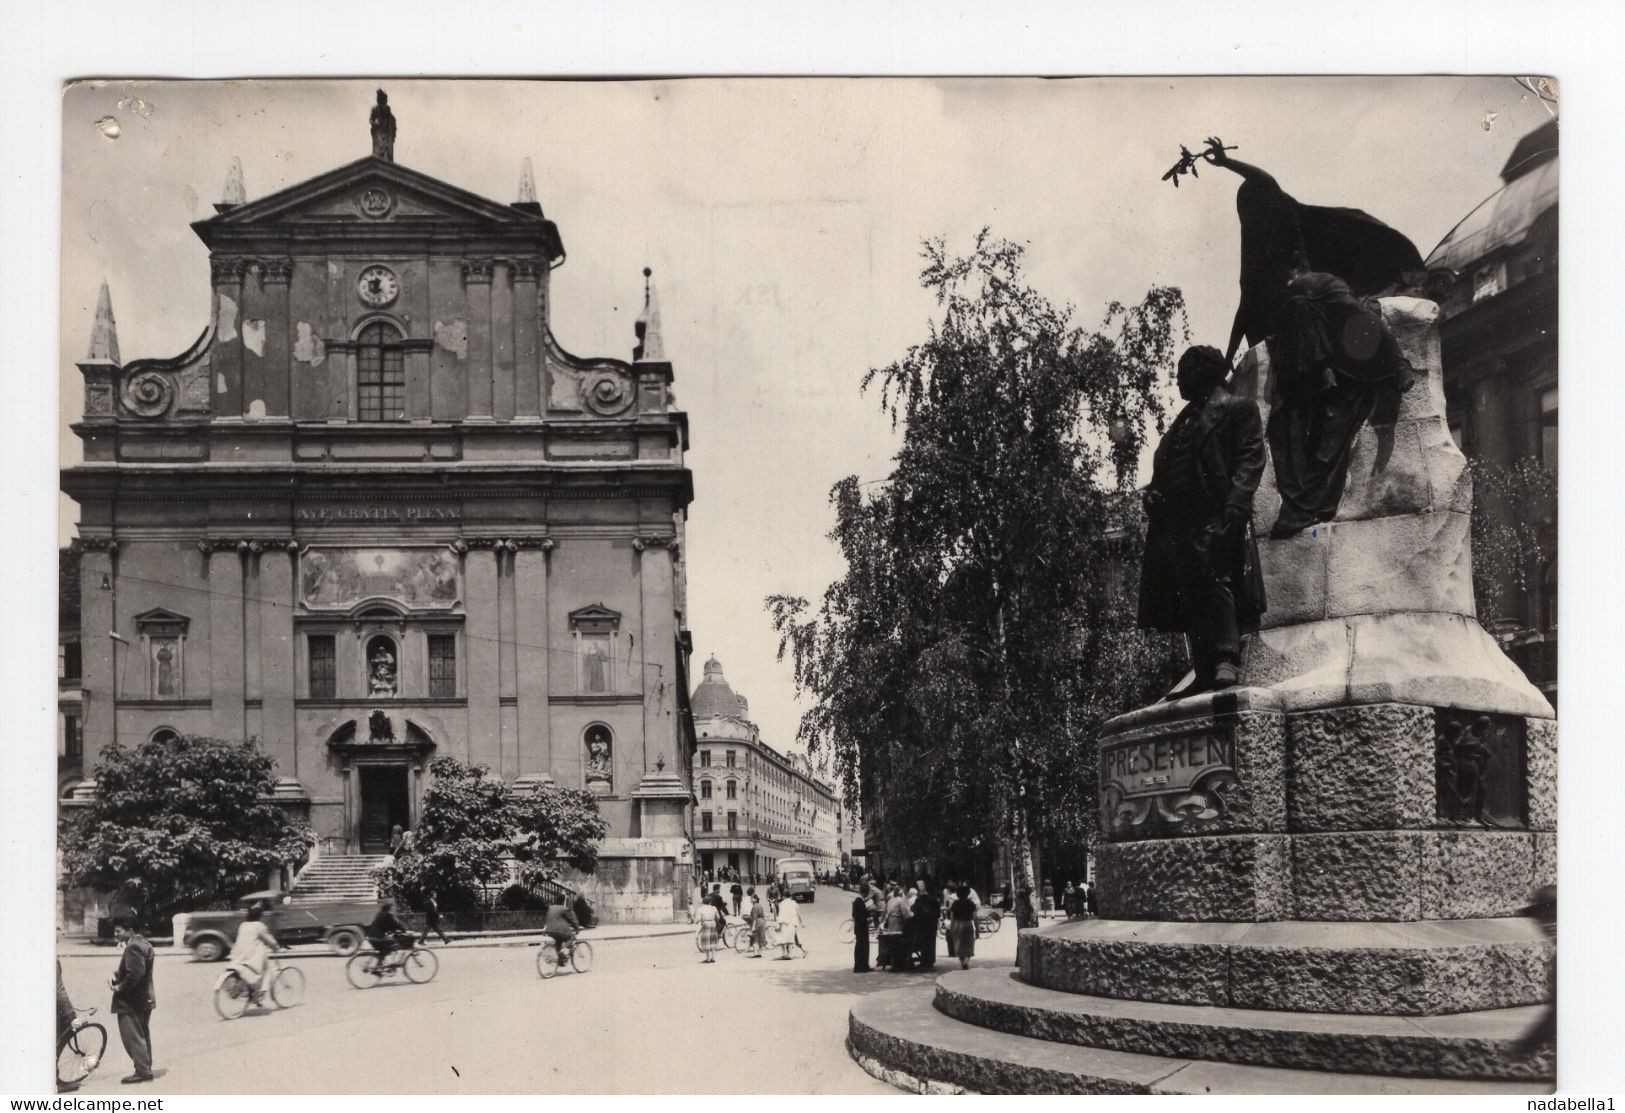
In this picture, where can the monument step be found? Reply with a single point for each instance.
(1462, 1045)
(897, 1036)
(1422, 968)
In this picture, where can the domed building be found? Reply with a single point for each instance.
(757, 806)
(1495, 279)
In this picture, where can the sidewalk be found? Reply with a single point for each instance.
(603, 933)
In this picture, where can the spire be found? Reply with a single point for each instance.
(104, 333)
(383, 129)
(649, 348)
(234, 194)
(527, 183)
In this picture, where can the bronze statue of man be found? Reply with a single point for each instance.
(1308, 274)
(1200, 573)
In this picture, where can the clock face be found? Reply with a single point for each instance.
(378, 286)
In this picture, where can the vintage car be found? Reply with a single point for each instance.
(341, 925)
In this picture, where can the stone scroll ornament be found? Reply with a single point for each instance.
(607, 393)
(147, 394)
(1184, 781)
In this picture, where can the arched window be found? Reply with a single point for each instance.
(165, 736)
(380, 374)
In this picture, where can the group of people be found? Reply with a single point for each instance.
(905, 921)
(1075, 902)
(775, 914)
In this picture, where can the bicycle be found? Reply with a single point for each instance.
(79, 1051)
(849, 934)
(366, 969)
(234, 992)
(551, 956)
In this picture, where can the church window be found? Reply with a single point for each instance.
(442, 666)
(730, 759)
(1548, 427)
(323, 674)
(380, 374)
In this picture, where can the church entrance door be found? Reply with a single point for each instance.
(385, 802)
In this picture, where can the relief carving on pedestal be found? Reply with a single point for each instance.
(1478, 764)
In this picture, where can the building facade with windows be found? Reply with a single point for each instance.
(376, 514)
(1495, 280)
(756, 805)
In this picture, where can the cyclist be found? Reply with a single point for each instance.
(253, 950)
(561, 926)
(66, 1014)
(383, 929)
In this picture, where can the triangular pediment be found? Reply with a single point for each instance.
(371, 192)
(594, 616)
(161, 620)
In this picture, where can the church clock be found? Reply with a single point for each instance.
(378, 287)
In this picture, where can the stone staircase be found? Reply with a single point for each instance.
(1037, 1031)
(338, 877)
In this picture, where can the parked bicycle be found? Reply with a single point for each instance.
(551, 957)
(365, 969)
(238, 988)
(79, 1050)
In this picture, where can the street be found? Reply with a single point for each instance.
(648, 1017)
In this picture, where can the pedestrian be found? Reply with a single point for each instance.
(893, 932)
(927, 915)
(758, 924)
(738, 892)
(1090, 902)
(396, 837)
(962, 927)
(790, 928)
(1069, 900)
(133, 998)
(409, 842)
(715, 901)
(860, 930)
(710, 928)
(431, 919)
(1047, 895)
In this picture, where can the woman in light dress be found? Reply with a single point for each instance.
(710, 929)
(253, 949)
(790, 927)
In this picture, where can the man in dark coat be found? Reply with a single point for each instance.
(927, 918)
(1200, 574)
(133, 998)
(860, 930)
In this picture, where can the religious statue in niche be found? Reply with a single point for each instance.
(595, 664)
(163, 661)
(381, 668)
(379, 728)
(600, 774)
(1309, 279)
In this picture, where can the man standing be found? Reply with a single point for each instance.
(133, 999)
(431, 919)
(860, 930)
(1200, 575)
(738, 892)
(927, 916)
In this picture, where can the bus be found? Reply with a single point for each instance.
(797, 879)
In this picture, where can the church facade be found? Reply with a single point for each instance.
(376, 514)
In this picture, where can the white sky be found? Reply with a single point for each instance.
(782, 219)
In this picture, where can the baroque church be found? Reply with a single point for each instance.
(375, 514)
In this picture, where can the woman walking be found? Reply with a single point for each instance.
(962, 927)
(710, 930)
(790, 927)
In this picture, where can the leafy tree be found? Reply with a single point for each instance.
(1514, 534)
(178, 825)
(472, 825)
(962, 666)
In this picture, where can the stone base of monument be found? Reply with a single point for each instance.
(1311, 883)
